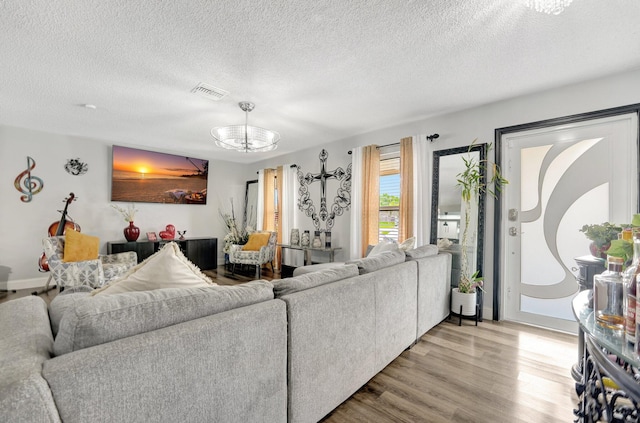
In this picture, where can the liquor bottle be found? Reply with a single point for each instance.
(630, 292)
(608, 296)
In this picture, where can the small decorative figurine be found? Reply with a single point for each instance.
(169, 233)
(181, 233)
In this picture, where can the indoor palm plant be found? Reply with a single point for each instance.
(473, 182)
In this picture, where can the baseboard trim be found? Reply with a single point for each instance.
(24, 284)
(487, 313)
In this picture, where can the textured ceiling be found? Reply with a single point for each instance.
(318, 71)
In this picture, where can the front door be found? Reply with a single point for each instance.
(561, 178)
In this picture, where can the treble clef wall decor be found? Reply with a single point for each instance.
(28, 184)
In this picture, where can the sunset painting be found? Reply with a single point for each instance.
(152, 177)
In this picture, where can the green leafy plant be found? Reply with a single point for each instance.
(601, 234)
(621, 248)
(606, 235)
(473, 183)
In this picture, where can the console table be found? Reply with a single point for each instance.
(203, 252)
(295, 256)
(609, 390)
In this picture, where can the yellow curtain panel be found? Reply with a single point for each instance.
(370, 195)
(269, 216)
(406, 189)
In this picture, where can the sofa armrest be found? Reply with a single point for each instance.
(229, 367)
(128, 257)
(26, 344)
(76, 273)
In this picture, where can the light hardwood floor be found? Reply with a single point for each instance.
(496, 372)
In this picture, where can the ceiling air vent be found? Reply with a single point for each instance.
(209, 91)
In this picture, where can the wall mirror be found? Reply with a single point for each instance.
(250, 217)
(447, 211)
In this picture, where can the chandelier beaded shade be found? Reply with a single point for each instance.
(245, 138)
(551, 7)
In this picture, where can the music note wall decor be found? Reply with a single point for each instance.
(28, 184)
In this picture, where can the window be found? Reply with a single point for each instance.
(389, 211)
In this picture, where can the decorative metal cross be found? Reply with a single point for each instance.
(341, 202)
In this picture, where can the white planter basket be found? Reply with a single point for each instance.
(467, 301)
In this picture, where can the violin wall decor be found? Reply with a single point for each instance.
(28, 184)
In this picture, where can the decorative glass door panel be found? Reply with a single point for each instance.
(561, 178)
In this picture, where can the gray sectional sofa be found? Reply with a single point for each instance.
(291, 350)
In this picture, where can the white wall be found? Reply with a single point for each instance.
(25, 224)
(461, 128)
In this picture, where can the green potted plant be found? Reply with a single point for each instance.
(473, 183)
(606, 241)
(601, 236)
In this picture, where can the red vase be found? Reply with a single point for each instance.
(131, 232)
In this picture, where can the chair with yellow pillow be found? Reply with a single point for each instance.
(259, 250)
(74, 261)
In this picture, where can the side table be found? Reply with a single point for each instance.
(588, 267)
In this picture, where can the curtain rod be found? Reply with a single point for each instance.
(429, 137)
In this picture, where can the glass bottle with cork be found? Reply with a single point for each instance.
(608, 296)
(630, 290)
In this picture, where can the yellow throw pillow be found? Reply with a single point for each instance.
(257, 240)
(80, 247)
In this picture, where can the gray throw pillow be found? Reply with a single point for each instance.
(423, 251)
(309, 280)
(379, 261)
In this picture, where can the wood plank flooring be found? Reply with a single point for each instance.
(496, 372)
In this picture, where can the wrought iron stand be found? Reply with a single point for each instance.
(609, 389)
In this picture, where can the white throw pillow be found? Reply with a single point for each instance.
(387, 244)
(408, 244)
(168, 268)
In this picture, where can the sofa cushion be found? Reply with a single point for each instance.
(316, 267)
(423, 251)
(26, 344)
(380, 261)
(60, 304)
(168, 268)
(104, 318)
(313, 279)
(80, 247)
(256, 241)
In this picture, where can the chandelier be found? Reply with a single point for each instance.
(245, 138)
(551, 7)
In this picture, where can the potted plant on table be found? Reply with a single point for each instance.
(601, 236)
(473, 182)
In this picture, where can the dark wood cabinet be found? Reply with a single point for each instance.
(203, 252)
